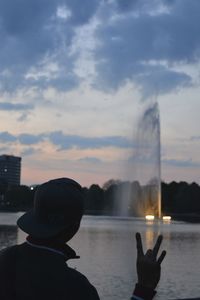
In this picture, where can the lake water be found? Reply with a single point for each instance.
(108, 252)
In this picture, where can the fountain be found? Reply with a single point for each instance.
(141, 195)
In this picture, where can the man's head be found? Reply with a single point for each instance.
(58, 209)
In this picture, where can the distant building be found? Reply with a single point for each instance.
(10, 169)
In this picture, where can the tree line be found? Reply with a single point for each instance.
(177, 197)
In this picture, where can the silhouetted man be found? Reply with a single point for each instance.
(37, 268)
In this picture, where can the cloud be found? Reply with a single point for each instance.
(4, 150)
(69, 141)
(24, 138)
(132, 40)
(92, 160)
(25, 37)
(35, 34)
(144, 44)
(81, 14)
(195, 138)
(29, 151)
(23, 117)
(64, 141)
(181, 163)
(6, 137)
(15, 106)
(126, 5)
(159, 80)
(29, 139)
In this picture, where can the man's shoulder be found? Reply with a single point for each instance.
(77, 275)
(7, 263)
(7, 258)
(8, 251)
(84, 287)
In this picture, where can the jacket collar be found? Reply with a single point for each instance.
(63, 249)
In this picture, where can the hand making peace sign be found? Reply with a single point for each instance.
(148, 265)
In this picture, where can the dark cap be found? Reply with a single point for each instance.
(58, 204)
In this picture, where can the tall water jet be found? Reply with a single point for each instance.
(149, 163)
(141, 194)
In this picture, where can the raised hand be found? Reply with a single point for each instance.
(148, 265)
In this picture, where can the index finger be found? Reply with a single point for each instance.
(157, 245)
(139, 244)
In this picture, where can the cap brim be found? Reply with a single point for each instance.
(32, 226)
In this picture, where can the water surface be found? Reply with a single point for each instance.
(108, 253)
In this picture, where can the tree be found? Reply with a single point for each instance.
(19, 198)
(110, 182)
(95, 199)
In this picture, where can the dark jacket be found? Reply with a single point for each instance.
(30, 273)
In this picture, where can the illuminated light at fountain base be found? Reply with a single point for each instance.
(166, 219)
(149, 217)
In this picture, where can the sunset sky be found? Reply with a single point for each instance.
(76, 76)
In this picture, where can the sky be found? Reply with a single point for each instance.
(76, 78)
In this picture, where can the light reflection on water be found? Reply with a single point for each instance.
(107, 249)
